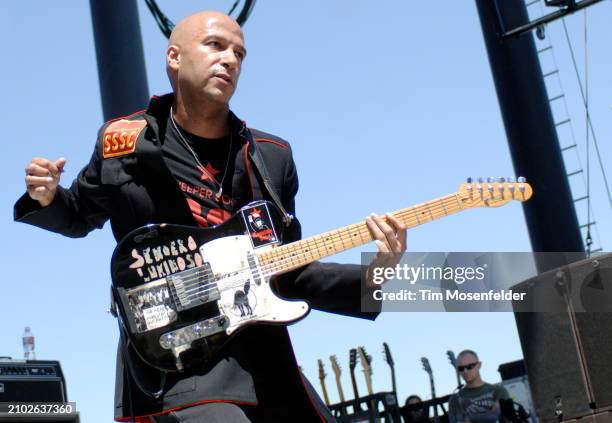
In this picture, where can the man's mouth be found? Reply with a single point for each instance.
(225, 78)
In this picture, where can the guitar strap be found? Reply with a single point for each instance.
(262, 173)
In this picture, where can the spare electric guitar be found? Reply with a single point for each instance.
(322, 376)
(366, 361)
(338, 372)
(352, 364)
(427, 368)
(453, 362)
(181, 292)
(389, 360)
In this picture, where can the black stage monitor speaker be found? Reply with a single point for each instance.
(568, 352)
(31, 381)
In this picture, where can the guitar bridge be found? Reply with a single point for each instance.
(180, 338)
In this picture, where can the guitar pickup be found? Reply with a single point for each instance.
(193, 287)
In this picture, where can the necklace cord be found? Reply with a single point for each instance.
(195, 156)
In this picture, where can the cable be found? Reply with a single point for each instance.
(166, 25)
(588, 238)
(590, 124)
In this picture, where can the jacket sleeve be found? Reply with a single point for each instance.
(74, 212)
(331, 287)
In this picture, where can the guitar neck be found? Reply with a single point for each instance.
(300, 253)
(354, 383)
(340, 391)
(433, 387)
(433, 394)
(324, 389)
(368, 379)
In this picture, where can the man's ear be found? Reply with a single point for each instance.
(173, 56)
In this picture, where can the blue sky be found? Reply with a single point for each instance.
(386, 104)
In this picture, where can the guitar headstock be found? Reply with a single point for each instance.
(388, 357)
(426, 365)
(335, 366)
(493, 192)
(452, 358)
(365, 360)
(352, 358)
(322, 373)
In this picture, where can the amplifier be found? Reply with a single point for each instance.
(31, 381)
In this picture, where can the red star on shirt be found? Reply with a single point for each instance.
(208, 173)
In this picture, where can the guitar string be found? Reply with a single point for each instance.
(288, 262)
(318, 244)
(201, 289)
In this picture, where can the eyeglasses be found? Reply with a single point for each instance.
(466, 367)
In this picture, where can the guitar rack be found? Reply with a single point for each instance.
(367, 409)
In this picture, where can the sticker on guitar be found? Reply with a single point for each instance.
(259, 225)
(166, 259)
(244, 302)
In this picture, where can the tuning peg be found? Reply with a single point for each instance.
(469, 180)
(501, 179)
(511, 179)
(480, 180)
(521, 179)
(490, 179)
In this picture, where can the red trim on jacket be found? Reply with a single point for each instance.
(312, 403)
(246, 164)
(127, 116)
(280, 144)
(147, 418)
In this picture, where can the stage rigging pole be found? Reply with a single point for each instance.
(551, 217)
(121, 66)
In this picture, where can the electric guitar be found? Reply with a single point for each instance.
(453, 362)
(366, 360)
(181, 292)
(338, 372)
(427, 368)
(389, 360)
(352, 364)
(322, 376)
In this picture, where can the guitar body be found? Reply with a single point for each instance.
(181, 291)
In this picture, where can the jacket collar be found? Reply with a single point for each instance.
(158, 111)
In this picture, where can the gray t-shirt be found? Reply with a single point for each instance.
(477, 404)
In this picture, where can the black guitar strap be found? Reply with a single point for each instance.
(262, 173)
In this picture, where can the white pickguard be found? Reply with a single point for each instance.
(245, 302)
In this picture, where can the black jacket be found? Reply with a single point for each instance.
(258, 366)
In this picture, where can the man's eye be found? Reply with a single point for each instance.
(214, 44)
(240, 55)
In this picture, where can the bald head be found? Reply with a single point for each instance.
(204, 57)
(194, 25)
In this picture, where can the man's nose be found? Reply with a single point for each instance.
(229, 59)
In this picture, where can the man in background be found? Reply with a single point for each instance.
(477, 401)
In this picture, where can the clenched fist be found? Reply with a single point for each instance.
(42, 178)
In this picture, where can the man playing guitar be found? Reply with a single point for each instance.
(188, 160)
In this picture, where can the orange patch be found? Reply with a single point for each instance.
(120, 137)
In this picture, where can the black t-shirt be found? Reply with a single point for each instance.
(201, 182)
